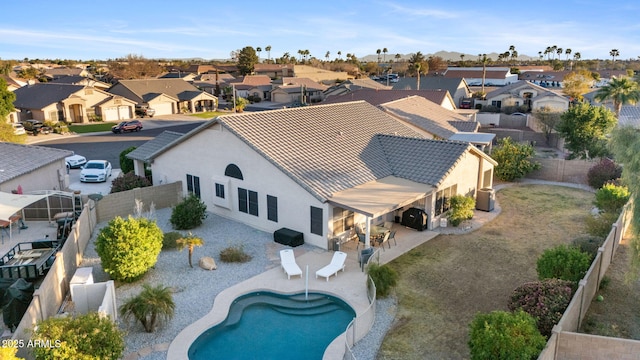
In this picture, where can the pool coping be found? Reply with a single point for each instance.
(350, 286)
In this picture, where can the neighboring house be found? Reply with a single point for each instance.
(60, 72)
(81, 80)
(319, 75)
(70, 103)
(207, 82)
(350, 85)
(319, 169)
(629, 115)
(556, 78)
(144, 153)
(457, 87)
(526, 93)
(377, 97)
(13, 83)
(493, 76)
(165, 96)
(301, 90)
(186, 76)
(274, 71)
(32, 168)
(251, 85)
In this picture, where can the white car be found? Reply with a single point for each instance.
(75, 161)
(95, 171)
(18, 129)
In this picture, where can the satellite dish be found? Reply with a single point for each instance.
(95, 197)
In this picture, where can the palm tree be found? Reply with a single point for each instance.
(268, 49)
(461, 59)
(339, 55)
(559, 51)
(547, 51)
(484, 60)
(621, 91)
(300, 52)
(154, 305)
(418, 64)
(577, 56)
(553, 51)
(378, 52)
(306, 53)
(398, 56)
(384, 54)
(327, 55)
(567, 52)
(540, 55)
(189, 242)
(614, 53)
(258, 50)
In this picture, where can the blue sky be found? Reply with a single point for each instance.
(210, 29)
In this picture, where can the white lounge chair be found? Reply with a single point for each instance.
(288, 263)
(336, 264)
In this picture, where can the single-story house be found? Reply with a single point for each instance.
(351, 85)
(32, 168)
(458, 87)
(319, 170)
(526, 93)
(70, 103)
(493, 76)
(165, 96)
(377, 97)
(81, 80)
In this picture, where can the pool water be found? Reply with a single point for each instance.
(266, 325)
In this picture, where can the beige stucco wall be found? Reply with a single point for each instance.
(207, 155)
(44, 178)
(552, 103)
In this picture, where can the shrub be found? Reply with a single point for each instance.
(126, 164)
(504, 335)
(85, 336)
(461, 209)
(128, 181)
(169, 240)
(9, 353)
(605, 170)
(563, 262)
(384, 276)
(189, 242)
(600, 225)
(611, 198)
(545, 300)
(189, 213)
(514, 160)
(588, 244)
(234, 254)
(152, 307)
(129, 248)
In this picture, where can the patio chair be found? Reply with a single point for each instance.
(361, 239)
(384, 239)
(288, 263)
(337, 263)
(392, 236)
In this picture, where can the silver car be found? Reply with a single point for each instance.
(95, 171)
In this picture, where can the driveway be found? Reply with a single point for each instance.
(90, 188)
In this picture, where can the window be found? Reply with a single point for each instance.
(342, 220)
(316, 221)
(272, 208)
(248, 201)
(486, 180)
(220, 190)
(497, 103)
(442, 199)
(193, 185)
(233, 171)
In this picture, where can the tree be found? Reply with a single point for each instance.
(436, 63)
(339, 55)
(151, 307)
(563, 262)
(189, 242)
(378, 52)
(549, 119)
(514, 160)
(461, 59)
(578, 83)
(134, 67)
(126, 164)
(502, 335)
(268, 49)
(584, 128)
(384, 54)
(81, 337)
(247, 59)
(614, 53)
(258, 50)
(606, 170)
(129, 248)
(418, 65)
(484, 60)
(621, 90)
(327, 55)
(7, 98)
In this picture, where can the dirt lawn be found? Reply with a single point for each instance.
(446, 281)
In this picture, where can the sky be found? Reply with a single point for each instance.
(212, 29)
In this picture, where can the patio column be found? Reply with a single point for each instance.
(367, 233)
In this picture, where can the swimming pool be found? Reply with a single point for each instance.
(267, 325)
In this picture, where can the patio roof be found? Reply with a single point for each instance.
(12, 203)
(381, 196)
(474, 138)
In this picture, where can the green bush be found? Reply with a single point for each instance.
(128, 181)
(563, 262)
(588, 244)
(81, 337)
(129, 248)
(384, 276)
(514, 160)
(152, 307)
(502, 335)
(189, 213)
(461, 209)
(545, 300)
(611, 198)
(600, 225)
(234, 254)
(603, 172)
(126, 164)
(169, 240)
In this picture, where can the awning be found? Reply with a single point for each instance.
(12, 203)
(381, 196)
(474, 138)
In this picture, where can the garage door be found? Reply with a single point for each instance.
(162, 108)
(110, 114)
(125, 112)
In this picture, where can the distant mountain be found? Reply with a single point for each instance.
(446, 55)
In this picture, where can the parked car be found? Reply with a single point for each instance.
(518, 114)
(18, 129)
(95, 171)
(144, 110)
(35, 127)
(133, 125)
(75, 161)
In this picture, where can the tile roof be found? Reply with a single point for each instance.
(377, 97)
(18, 160)
(253, 80)
(515, 87)
(38, 96)
(630, 116)
(148, 89)
(431, 83)
(473, 73)
(465, 125)
(289, 80)
(426, 115)
(63, 71)
(147, 150)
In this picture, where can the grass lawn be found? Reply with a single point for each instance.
(210, 114)
(90, 128)
(446, 281)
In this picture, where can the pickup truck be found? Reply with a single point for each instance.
(144, 110)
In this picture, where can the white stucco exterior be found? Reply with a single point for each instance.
(50, 177)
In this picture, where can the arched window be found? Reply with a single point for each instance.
(233, 171)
